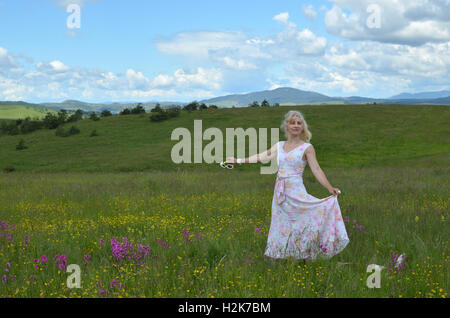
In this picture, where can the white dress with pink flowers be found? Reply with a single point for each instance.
(302, 226)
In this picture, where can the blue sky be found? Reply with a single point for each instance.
(185, 50)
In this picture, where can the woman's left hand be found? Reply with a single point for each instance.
(335, 191)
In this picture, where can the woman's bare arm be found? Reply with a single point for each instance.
(265, 156)
(310, 154)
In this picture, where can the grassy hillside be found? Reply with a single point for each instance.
(343, 136)
(21, 111)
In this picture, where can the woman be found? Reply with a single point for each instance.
(302, 226)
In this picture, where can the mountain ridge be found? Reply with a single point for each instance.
(284, 96)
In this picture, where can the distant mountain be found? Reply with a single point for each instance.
(280, 95)
(114, 107)
(284, 96)
(20, 103)
(423, 95)
(292, 96)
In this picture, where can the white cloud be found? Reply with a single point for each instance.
(309, 12)
(282, 18)
(292, 43)
(239, 64)
(238, 51)
(136, 80)
(202, 78)
(199, 44)
(5, 59)
(162, 80)
(52, 67)
(108, 81)
(8, 63)
(399, 22)
(13, 90)
(431, 60)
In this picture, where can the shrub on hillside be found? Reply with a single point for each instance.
(9, 128)
(9, 168)
(78, 115)
(174, 112)
(73, 130)
(265, 103)
(125, 111)
(105, 113)
(60, 132)
(94, 116)
(21, 145)
(160, 116)
(93, 133)
(156, 109)
(27, 125)
(63, 133)
(51, 121)
(138, 109)
(191, 106)
(62, 116)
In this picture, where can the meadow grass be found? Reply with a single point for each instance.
(344, 136)
(403, 211)
(21, 111)
(207, 227)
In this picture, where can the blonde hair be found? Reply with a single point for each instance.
(306, 134)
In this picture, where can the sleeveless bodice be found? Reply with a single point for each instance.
(291, 163)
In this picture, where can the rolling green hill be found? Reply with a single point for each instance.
(343, 136)
(23, 111)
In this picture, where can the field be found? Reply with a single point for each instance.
(20, 111)
(83, 200)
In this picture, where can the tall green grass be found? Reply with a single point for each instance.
(402, 210)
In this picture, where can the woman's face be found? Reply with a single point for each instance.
(295, 126)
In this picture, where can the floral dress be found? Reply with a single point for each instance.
(302, 226)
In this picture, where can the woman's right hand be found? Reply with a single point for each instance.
(231, 160)
(334, 191)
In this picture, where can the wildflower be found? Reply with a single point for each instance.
(86, 258)
(163, 244)
(26, 241)
(102, 242)
(4, 279)
(60, 260)
(41, 261)
(126, 248)
(103, 292)
(113, 284)
(416, 219)
(187, 235)
(398, 261)
(6, 230)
